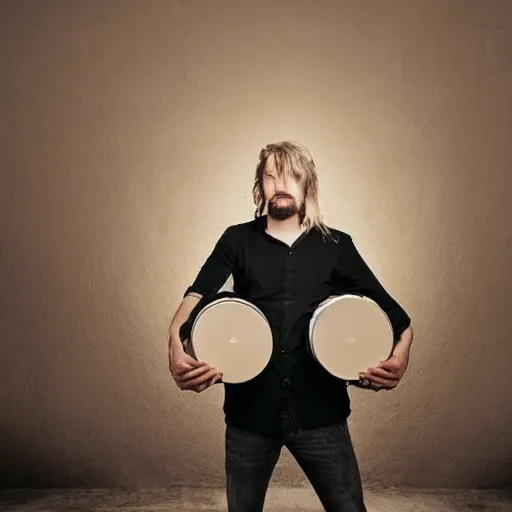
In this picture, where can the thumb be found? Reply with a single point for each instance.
(390, 365)
(193, 362)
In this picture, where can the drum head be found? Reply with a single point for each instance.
(349, 334)
(234, 336)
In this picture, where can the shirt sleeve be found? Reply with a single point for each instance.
(216, 269)
(351, 274)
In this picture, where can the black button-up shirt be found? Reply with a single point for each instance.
(287, 283)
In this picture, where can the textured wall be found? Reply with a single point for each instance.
(130, 132)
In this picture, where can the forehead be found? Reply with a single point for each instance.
(280, 168)
(270, 164)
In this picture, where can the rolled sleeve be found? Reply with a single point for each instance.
(351, 274)
(216, 269)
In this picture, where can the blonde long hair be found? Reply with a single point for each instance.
(294, 161)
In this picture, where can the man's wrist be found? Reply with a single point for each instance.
(401, 351)
(175, 341)
(403, 345)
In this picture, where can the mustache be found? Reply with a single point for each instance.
(281, 196)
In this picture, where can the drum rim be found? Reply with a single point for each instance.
(226, 299)
(331, 300)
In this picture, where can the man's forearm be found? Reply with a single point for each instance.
(180, 317)
(403, 345)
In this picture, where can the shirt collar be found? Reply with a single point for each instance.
(261, 223)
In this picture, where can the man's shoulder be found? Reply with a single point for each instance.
(245, 226)
(240, 229)
(337, 235)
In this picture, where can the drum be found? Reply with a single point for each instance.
(232, 335)
(349, 334)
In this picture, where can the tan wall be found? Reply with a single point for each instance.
(130, 133)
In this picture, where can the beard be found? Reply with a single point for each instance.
(280, 209)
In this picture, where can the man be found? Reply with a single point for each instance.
(286, 261)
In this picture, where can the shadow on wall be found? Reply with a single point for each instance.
(32, 466)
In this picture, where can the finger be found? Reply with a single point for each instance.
(181, 369)
(201, 387)
(379, 380)
(380, 372)
(195, 372)
(368, 384)
(184, 366)
(201, 379)
(390, 365)
(209, 383)
(375, 387)
(194, 362)
(217, 378)
(187, 359)
(205, 378)
(181, 373)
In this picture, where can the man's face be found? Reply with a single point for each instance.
(283, 194)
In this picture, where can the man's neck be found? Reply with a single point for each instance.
(284, 227)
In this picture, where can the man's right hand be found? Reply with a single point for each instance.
(190, 374)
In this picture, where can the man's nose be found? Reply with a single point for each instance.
(280, 184)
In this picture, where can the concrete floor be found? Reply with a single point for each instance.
(278, 500)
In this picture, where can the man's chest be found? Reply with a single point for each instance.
(265, 269)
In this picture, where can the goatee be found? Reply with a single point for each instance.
(283, 211)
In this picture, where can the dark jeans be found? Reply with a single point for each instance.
(326, 456)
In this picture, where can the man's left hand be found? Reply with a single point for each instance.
(386, 374)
